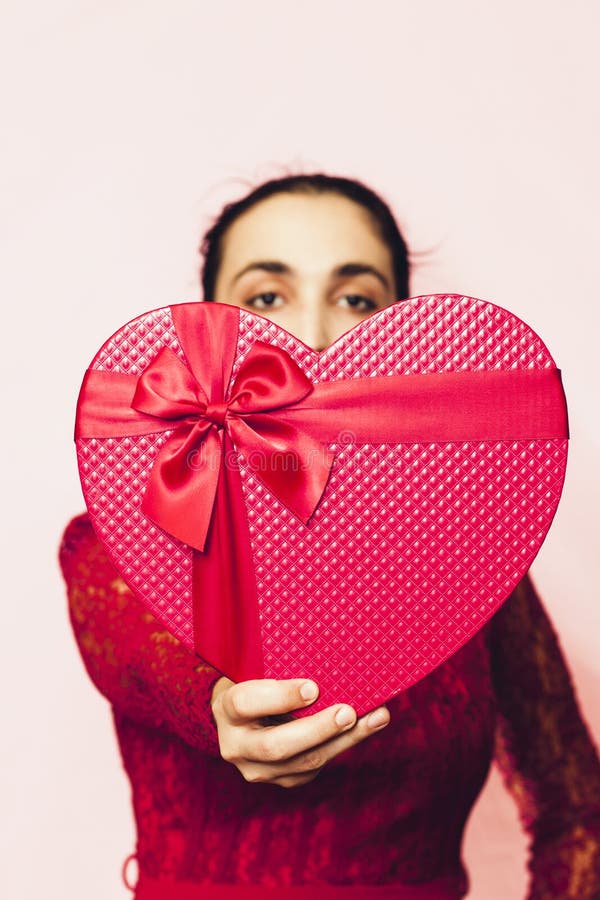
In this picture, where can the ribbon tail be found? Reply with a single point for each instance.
(289, 461)
(225, 602)
(180, 492)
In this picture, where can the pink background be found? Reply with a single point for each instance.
(125, 127)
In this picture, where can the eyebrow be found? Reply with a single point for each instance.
(344, 271)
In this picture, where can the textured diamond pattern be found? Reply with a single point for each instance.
(413, 547)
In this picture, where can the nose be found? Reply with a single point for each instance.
(311, 327)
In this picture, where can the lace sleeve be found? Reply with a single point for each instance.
(544, 751)
(145, 672)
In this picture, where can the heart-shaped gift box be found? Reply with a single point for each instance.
(353, 516)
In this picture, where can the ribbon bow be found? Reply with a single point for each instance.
(181, 490)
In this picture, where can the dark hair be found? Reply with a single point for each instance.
(316, 183)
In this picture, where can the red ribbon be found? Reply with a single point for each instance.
(280, 423)
(180, 493)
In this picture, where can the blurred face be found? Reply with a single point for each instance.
(312, 263)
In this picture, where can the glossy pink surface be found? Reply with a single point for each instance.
(413, 546)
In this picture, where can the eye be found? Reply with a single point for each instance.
(358, 303)
(266, 300)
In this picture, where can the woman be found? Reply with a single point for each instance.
(233, 799)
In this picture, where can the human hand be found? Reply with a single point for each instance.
(293, 752)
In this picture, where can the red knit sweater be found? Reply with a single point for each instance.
(386, 813)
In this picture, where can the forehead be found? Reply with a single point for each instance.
(310, 232)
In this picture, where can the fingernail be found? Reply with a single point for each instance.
(308, 691)
(344, 716)
(378, 718)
